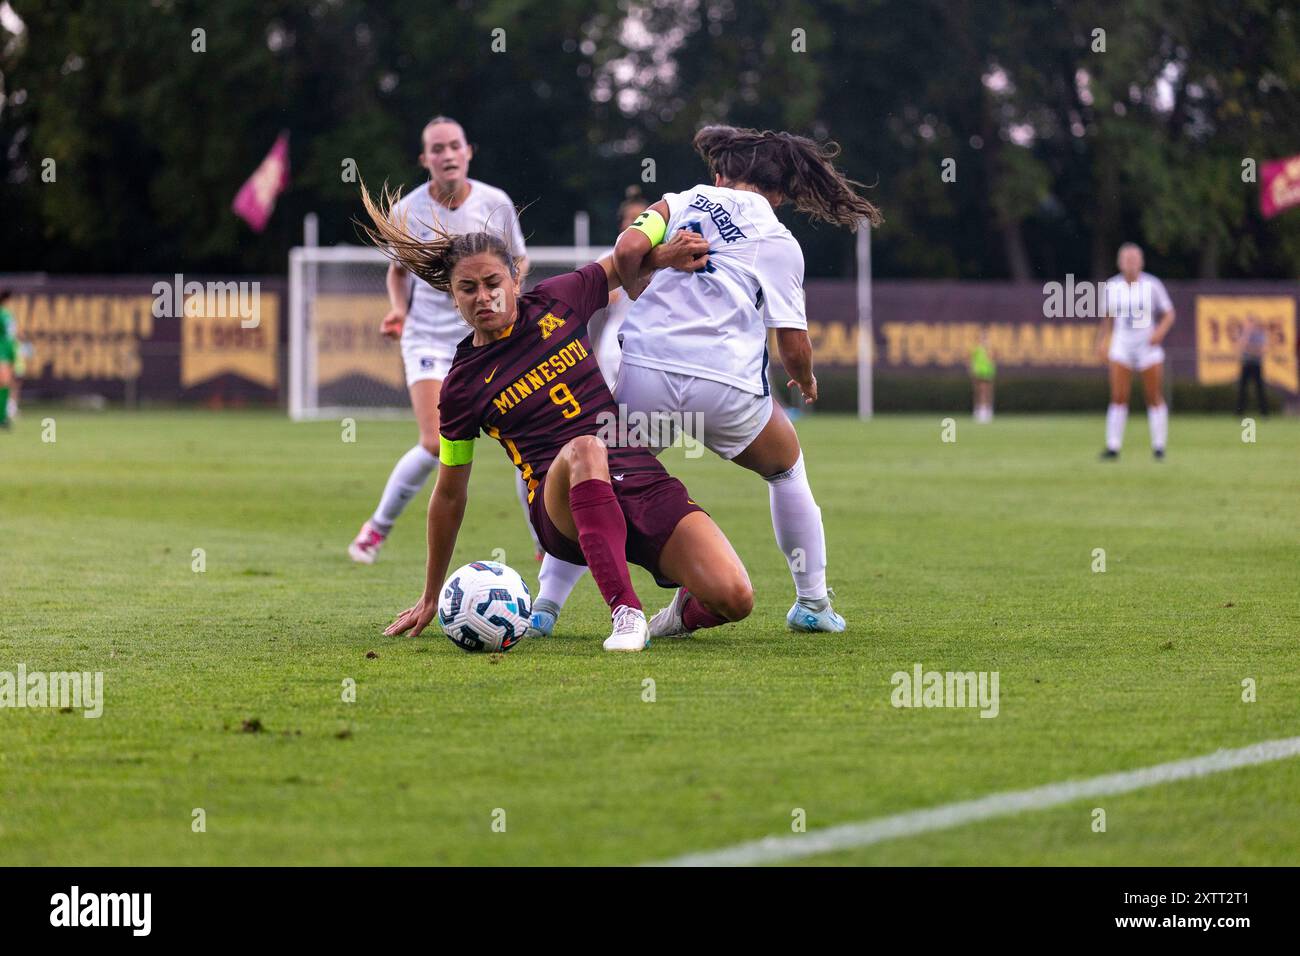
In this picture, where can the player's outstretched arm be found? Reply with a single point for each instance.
(1162, 329)
(398, 284)
(635, 243)
(687, 252)
(446, 512)
(635, 260)
(1103, 335)
(795, 349)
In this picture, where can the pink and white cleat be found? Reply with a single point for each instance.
(365, 547)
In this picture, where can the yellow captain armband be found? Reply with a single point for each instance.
(455, 452)
(653, 225)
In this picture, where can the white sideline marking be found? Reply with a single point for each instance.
(867, 832)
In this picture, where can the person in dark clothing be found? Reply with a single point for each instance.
(1253, 341)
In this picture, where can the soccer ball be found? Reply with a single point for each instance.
(485, 606)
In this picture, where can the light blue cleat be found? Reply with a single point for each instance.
(812, 620)
(542, 623)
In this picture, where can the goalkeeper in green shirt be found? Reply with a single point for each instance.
(982, 371)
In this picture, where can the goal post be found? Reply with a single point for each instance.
(866, 324)
(339, 363)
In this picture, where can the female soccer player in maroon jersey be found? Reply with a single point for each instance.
(527, 377)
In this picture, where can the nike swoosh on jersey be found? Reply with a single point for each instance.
(488, 380)
(617, 477)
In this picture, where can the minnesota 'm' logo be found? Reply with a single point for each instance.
(548, 324)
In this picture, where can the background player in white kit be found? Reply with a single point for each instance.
(1137, 316)
(425, 319)
(698, 350)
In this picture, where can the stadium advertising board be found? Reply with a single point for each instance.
(349, 343)
(151, 339)
(928, 327)
(1220, 321)
(129, 338)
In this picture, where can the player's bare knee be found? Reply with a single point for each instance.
(735, 601)
(587, 454)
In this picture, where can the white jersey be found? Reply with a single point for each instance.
(432, 322)
(714, 324)
(1135, 308)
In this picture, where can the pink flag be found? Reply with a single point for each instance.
(1279, 187)
(255, 200)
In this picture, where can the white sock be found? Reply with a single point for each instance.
(408, 477)
(1116, 419)
(797, 521)
(521, 489)
(1158, 421)
(556, 580)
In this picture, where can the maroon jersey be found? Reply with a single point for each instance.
(539, 387)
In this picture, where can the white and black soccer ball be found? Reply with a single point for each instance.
(485, 606)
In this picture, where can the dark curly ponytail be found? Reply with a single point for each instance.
(794, 166)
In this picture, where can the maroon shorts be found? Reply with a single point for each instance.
(653, 502)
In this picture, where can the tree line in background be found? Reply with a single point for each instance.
(1001, 139)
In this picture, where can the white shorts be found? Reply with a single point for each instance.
(723, 418)
(1136, 354)
(424, 362)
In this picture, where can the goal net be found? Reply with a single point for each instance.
(339, 363)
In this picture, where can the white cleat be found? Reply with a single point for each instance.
(365, 546)
(631, 633)
(811, 619)
(668, 622)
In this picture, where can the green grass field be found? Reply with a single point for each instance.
(973, 555)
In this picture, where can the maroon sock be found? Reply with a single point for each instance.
(695, 615)
(602, 535)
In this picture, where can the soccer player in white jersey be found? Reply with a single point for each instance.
(1137, 316)
(697, 351)
(426, 320)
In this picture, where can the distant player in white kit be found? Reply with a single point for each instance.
(425, 319)
(697, 351)
(1136, 317)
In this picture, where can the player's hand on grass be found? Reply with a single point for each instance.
(809, 388)
(414, 619)
(392, 325)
